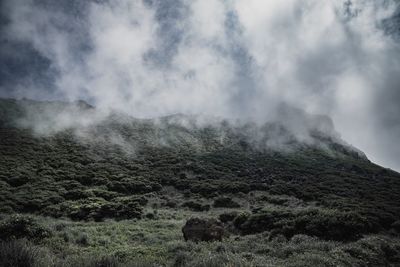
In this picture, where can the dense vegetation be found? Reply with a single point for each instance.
(120, 190)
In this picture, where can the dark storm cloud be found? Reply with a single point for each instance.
(225, 58)
(28, 30)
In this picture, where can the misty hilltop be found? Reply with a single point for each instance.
(113, 183)
(289, 179)
(291, 129)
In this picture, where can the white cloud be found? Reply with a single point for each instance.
(318, 55)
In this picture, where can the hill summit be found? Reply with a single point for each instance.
(291, 179)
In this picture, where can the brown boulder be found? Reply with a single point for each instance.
(197, 229)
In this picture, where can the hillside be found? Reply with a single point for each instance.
(130, 184)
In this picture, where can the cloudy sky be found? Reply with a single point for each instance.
(228, 58)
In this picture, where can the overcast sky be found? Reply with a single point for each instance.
(232, 58)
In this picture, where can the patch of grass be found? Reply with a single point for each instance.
(160, 243)
(17, 253)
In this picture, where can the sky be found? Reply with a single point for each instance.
(226, 58)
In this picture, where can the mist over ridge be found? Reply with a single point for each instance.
(226, 59)
(291, 131)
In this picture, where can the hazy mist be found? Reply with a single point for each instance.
(229, 59)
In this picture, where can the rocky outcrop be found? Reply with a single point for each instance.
(197, 229)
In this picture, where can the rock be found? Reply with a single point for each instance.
(197, 229)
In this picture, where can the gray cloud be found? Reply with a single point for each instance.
(224, 58)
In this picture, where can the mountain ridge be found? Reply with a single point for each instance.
(290, 129)
(148, 177)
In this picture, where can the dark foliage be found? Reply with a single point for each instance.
(98, 208)
(18, 253)
(225, 202)
(22, 226)
(329, 225)
(228, 216)
(196, 206)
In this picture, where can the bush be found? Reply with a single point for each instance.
(18, 181)
(196, 206)
(240, 219)
(22, 226)
(326, 224)
(171, 204)
(107, 195)
(6, 209)
(133, 186)
(228, 216)
(75, 194)
(225, 202)
(97, 208)
(82, 239)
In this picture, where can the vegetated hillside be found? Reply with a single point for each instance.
(288, 178)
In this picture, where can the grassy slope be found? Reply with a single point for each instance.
(93, 179)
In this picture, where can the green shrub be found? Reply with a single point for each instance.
(107, 195)
(75, 194)
(22, 226)
(228, 216)
(240, 219)
(82, 239)
(196, 206)
(6, 209)
(98, 208)
(150, 216)
(133, 186)
(330, 225)
(18, 180)
(225, 202)
(170, 203)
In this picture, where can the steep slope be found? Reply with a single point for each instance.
(121, 156)
(292, 183)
